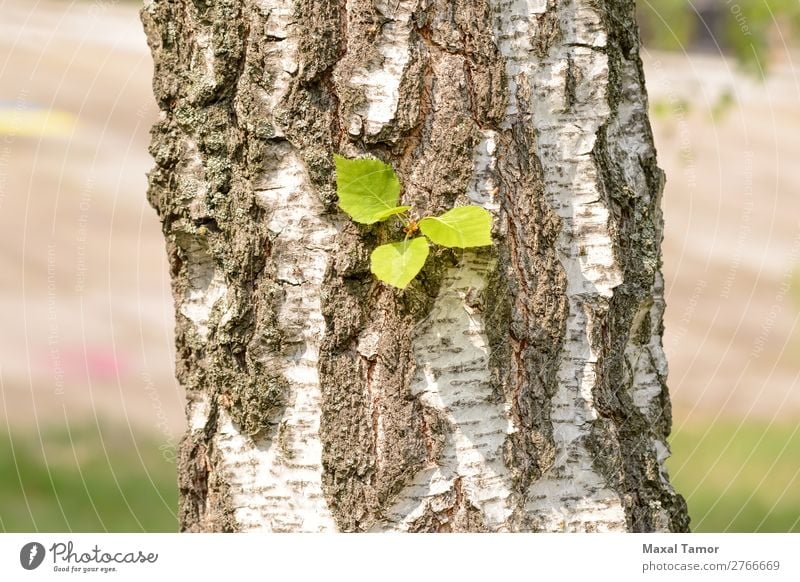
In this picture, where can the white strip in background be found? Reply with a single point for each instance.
(406, 557)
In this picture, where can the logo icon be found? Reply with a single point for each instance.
(31, 555)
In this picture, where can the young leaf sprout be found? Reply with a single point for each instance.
(369, 191)
(410, 228)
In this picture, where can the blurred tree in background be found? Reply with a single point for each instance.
(749, 30)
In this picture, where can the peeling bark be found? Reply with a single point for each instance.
(516, 388)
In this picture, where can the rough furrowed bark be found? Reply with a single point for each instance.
(515, 388)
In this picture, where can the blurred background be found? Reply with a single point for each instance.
(91, 414)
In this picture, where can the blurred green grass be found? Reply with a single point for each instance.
(735, 479)
(739, 477)
(84, 480)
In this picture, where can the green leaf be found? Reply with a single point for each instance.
(398, 263)
(367, 189)
(462, 227)
(392, 212)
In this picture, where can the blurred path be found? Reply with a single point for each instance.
(85, 304)
(729, 144)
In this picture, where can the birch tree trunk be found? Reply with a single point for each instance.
(516, 388)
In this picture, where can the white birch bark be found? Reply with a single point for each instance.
(321, 400)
